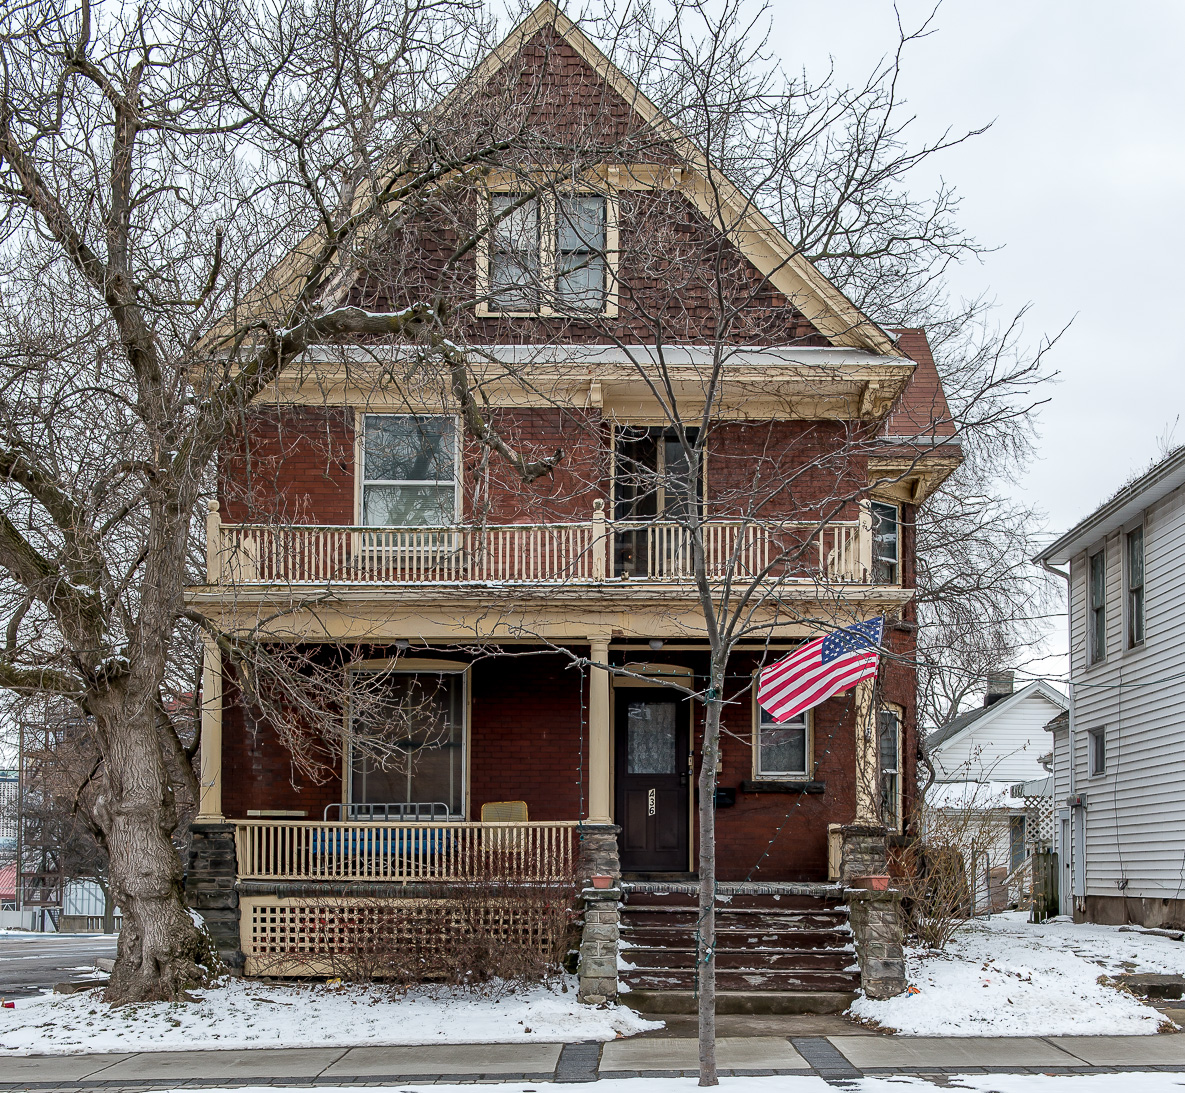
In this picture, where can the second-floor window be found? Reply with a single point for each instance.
(1135, 587)
(1098, 606)
(409, 471)
(886, 551)
(547, 253)
(1098, 752)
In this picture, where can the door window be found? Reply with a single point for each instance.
(650, 736)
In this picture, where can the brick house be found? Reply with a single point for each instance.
(535, 626)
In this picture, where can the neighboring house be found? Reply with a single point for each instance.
(415, 557)
(1119, 757)
(992, 781)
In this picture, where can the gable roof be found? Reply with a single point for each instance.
(985, 714)
(823, 305)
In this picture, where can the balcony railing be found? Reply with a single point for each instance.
(404, 852)
(553, 553)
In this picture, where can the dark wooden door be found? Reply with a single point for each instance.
(652, 781)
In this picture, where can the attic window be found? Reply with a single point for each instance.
(548, 254)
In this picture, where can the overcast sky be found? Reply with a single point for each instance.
(1079, 182)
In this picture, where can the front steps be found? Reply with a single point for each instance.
(780, 948)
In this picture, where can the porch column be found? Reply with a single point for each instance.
(210, 777)
(867, 760)
(599, 776)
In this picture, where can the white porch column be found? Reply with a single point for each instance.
(600, 809)
(867, 760)
(210, 778)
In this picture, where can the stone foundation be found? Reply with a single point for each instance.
(863, 851)
(598, 855)
(598, 944)
(210, 887)
(877, 928)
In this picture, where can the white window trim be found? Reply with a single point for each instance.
(360, 480)
(808, 752)
(1091, 736)
(402, 667)
(1091, 659)
(1128, 645)
(899, 711)
(547, 255)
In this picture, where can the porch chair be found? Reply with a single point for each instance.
(505, 847)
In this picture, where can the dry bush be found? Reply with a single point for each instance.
(939, 868)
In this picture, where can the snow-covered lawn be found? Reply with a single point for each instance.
(241, 1014)
(1007, 977)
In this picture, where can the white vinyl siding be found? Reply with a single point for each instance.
(1135, 814)
(1004, 747)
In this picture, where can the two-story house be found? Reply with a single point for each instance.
(507, 649)
(1119, 756)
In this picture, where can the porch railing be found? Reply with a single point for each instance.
(557, 553)
(405, 852)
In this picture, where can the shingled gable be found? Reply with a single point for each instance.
(825, 315)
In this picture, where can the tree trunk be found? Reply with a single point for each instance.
(159, 946)
(706, 949)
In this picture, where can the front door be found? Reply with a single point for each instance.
(652, 780)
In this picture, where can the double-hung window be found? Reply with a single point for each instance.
(1097, 743)
(409, 471)
(1098, 606)
(547, 254)
(783, 750)
(889, 741)
(515, 266)
(1135, 587)
(886, 553)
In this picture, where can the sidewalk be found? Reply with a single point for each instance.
(833, 1058)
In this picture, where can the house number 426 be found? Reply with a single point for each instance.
(650, 803)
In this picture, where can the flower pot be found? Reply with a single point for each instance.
(602, 882)
(877, 882)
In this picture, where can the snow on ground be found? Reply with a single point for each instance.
(1005, 976)
(242, 1014)
(1148, 1082)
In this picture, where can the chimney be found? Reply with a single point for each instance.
(999, 685)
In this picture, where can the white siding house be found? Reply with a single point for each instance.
(1120, 761)
(978, 759)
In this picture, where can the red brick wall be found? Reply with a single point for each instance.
(294, 464)
(525, 739)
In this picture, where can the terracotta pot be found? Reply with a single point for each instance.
(602, 882)
(877, 882)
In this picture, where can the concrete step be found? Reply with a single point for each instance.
(735, 901)
(745, 959)
(752, 1002)
(738, 918)
(656, 937)
(669, 979)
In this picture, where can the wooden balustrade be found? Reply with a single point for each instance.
(405, 852)
(534, 553)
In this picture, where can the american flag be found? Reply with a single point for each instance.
(820, 669)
